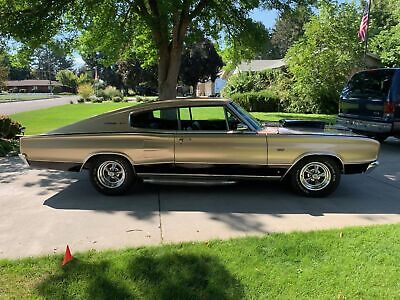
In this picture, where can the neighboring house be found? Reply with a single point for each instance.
(212, 88)
(34, 86)
(259, 65)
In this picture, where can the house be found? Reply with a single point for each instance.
(212, 88)
(34, 86)
(259, 65)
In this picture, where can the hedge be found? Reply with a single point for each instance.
(263, 101)
(9, 128)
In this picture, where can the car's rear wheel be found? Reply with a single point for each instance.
(315, 176)
(111, 175)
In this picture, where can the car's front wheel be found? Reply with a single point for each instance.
(111, 175)
(315, 176)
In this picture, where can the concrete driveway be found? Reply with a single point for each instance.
(42, 211)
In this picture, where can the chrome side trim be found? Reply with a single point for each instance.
(312, 154)
(151, 175)
(372, 166)
(107, 153)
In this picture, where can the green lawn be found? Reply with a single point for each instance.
(44, 120)
(354, 263)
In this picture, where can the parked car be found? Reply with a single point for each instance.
(202, 139)
(370, 103)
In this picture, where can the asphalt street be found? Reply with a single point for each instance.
(8, 108)
(42, 211)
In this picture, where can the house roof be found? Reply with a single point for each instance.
(24, 83)
(258, 65)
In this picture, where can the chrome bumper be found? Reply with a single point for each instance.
(365, 126)
(372, 166)
(23, 158)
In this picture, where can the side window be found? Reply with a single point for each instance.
(165, 119)
(233, 121)
(203, 118)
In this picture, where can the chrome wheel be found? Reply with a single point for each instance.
(111, 174)
(315, 176)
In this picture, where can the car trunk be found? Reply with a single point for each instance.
(366, 95)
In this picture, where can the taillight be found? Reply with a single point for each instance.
(388, 108)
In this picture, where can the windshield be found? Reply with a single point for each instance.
(245, 115)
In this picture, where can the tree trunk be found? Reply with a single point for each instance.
(168, 70)
(194, 90)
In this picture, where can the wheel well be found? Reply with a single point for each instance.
(336, 159)
(91, 159)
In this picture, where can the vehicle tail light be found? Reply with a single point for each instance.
(388, 108)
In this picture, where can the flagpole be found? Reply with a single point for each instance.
(366, 33)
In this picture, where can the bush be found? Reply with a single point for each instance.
(110, 92)
(85, 91)
(264, 101)
(95, 99)
(57, 89)
(245, 82)
(5, 147)
(9, 129)
(117, 99)
(81, 100)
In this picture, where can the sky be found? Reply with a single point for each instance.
(267, 17)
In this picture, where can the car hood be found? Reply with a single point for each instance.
(328, 130)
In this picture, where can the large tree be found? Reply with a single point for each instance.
(385, 31)
(46, 61)
(289, 28)
(321, 61)
(149, 29)
(200, 63)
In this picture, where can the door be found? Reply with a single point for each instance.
(212, 140)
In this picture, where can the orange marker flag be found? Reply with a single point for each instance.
(67, 257)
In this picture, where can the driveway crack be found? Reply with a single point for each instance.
(159, 217)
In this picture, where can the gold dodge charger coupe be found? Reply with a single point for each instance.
(199, 139)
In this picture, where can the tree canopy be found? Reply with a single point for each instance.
(152, 30)
(200, 63)
(322, 60)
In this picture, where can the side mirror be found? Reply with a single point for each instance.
(242, 127)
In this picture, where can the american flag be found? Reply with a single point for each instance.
(362, 32)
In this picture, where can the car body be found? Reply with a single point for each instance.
(198, 138)
(370, 103)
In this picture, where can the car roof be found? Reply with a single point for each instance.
(182, 102)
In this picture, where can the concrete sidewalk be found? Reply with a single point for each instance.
(42, 211)
(8, 108)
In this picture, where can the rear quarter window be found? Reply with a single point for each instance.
(374, 83)
(163, 119)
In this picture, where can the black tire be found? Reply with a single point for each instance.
(112, 175)
(303, 182)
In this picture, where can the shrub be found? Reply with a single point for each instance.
(81, 100)
(5, 147)
(9, 129)
(85, 91)
(95, 99)
(117, 99)
(264, 101)
(110, 92)
(250, 82)
(57, 89)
